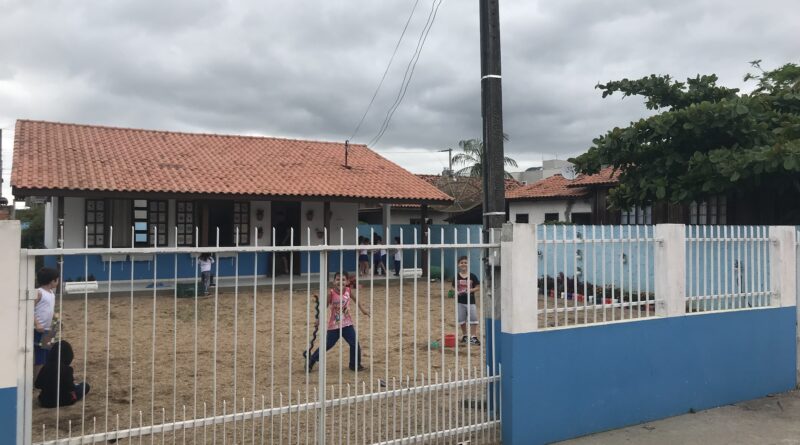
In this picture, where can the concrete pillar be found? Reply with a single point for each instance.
(519, 287)
(783, 259)
(13, 369)
(386, 220)
(519, 319)
(670, 270)
(784, 252)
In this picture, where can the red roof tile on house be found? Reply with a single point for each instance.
(606, 176)
(467, 188)
(554, 187)
(51, 156)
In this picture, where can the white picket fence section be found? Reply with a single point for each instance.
(728, 268)
(229, 368)
(591, 274)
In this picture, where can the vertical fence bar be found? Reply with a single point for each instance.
(670, 270)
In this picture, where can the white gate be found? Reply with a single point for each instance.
(168, 364)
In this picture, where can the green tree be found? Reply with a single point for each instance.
(706, 140)
(472, 158)
(32, 221)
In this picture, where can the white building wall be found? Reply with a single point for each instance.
(264, 224)
(537, 209)
(73, 222)
(344, 216)
(50, 223)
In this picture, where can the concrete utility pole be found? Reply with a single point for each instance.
(494, 203)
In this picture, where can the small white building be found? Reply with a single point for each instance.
(550, 200)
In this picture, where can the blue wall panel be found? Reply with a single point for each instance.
(565, 383)
(8, 414)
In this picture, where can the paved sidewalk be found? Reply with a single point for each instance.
(771, 420)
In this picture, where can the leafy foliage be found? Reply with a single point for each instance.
(472, 158)
(32, 221)
(706, 140)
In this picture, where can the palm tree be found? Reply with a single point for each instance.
(472, 157)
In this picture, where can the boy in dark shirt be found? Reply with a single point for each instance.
(466, 284)
(58, 387)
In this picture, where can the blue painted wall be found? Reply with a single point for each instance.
(8, 414)
(440, 234)
(564, 383)
(76, 265)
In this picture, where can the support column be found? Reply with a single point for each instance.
(783, 254)
(669, 268)
(386, 219)
(519, 320)
(424, 239)
(782, 260)
(13, 370)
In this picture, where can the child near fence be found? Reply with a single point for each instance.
(205, 261)
(56, 379)
(43, 310)
(466, 284)
(341, 322)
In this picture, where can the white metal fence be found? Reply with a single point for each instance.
(232, 367)
(728, 267)
(590, 274)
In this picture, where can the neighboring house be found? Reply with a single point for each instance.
(168, 188)
(715, 210)
(465, 207)
(549, 200)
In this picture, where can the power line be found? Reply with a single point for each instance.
(407, 76)
(385, 72)
(412, 64)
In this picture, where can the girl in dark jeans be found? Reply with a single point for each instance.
(56, 379)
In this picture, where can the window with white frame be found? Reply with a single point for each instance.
(185, 220)
(95, 221)
(149, 218)
(637, 215)
(712, 211)
(241, 222)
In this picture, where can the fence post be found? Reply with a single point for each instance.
(782, 259)
(519, 319)
(783, 252)
(12, 381)
(670, 270)
(519, 288)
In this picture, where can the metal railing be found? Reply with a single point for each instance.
(232, 367)
(728, 268)
(592, 274)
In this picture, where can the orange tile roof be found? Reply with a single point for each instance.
(463, 188)
(554, 187)
(606, 176)
(51, 156)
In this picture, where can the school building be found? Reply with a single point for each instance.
(124, 187)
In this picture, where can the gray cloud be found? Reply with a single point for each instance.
(308, 69)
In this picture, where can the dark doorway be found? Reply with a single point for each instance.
(582, 218)
(220, 215)
(285, 216)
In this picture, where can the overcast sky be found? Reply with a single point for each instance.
(307, 69)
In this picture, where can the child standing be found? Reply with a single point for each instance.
(398, 256)
(43, 310)
(205, 261)
(340, 321)
(363, 256)
(466, 284)
(56, 380)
